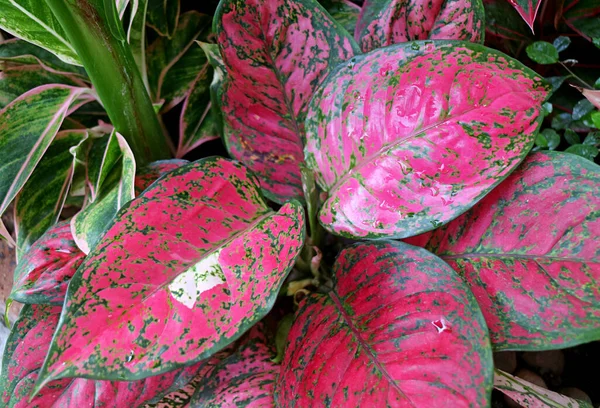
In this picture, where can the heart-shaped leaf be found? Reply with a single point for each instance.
(33, 21)
(163, 16)
(530, 250)
(27, 127)
(23, 357)
(399, 328)
(186, 269)
(408, 137)
(40, 202)
(344, 12)
(272, 73)
(43, 273)
(527, 9)
(387, 22)
(151, 172)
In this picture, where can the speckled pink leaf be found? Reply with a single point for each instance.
(276, 52)
(150, 173)
(399, 329)
(186, 269)
(25, 351)
(530, 251)
(527, 9)
(406, 138)
(387, 22)
(43, 273)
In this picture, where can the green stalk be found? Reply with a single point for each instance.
(95, 31)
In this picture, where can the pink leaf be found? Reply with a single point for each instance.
(150, 173)
(527, 9)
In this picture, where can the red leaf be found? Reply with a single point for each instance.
(276, 53)
(530, 250)
(398, 329)
(527, 9)
(150, 173)
(410, 136)
(387, 22)
(187, 267)
(43, 274)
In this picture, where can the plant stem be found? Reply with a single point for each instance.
(96, 33)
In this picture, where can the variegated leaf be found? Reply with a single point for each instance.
(387, 22)
(530, 251)
(502, 20)
(40, 202)
(151, 172)
(185, 270)
(276, 53)
(406, 138)
(399, 328)
(582, 16)
(163, 16)
(43, 273)
(527, 9)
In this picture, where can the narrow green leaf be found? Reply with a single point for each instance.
(542, 52)
(216, 86)
(102, 159)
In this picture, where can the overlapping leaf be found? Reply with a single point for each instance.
(344, 12)
(163, 16)
(502, 20)
(582, 16)
(530, 252)
(33, 21)
(24, 354)
(399, 328)
(527, 9)
(387, 22)
(408, 137)
(40, 202)
(276, 54)
(186, 269)
(150, 173)
(43, 273)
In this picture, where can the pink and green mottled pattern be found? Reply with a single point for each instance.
(387, 22)
(150, 173)
(399, 329)
(244, 379)
(406, 138)
(43, 274)
(530, 251)
(187, 267)
(527, 9)
(25, 351)
(276, 53)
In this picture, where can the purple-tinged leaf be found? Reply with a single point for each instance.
(529, 251)
(530, 395)
(398, 329)
(276, 53)
(344, 12)
(185, 270)
(582, 17)
(527, 9)
(39, 204)
(151, 172)
(43, 273)
(23, 357)
(502, 20)
(387, 22)
(408, 137)
(27, 127)
(90, 224)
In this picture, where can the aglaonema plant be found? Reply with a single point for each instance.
(379, 230)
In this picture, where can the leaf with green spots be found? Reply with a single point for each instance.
(111, 175)
(40, 202)
(408, 137)
(272, 73)
(530, 395)
(542, 52)
(27, 127)
(344, 12)
(527, 9)
(185, 269)
(33, 21)
(23, 357)
(163, 16)
(399, 328)
(153, 171)
(43, 273)
(387, 22)
(529, 251)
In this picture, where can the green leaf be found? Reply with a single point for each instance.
(551, 138)
(344, 12)
(586, 151)
(216, 86)
(561, 43)
(27, 127)
(19, 52)
(556, 82)
(596, 119)
(33, 21)
(561, 121)
(40, 202)
(572, 137)
(582, 108)
(115, 189)
(592, 139)
(163, 16)
(542, 52)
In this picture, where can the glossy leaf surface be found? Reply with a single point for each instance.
(387, 22)
(399, 328)
(530, 395)
(344, 12)
(26, 348)
(527, 9)
(186, 269)
(150, 173)
(42, 275)
(408, 137)
(33, 21)
(529, 251)
(272, 73)
(40, 202)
